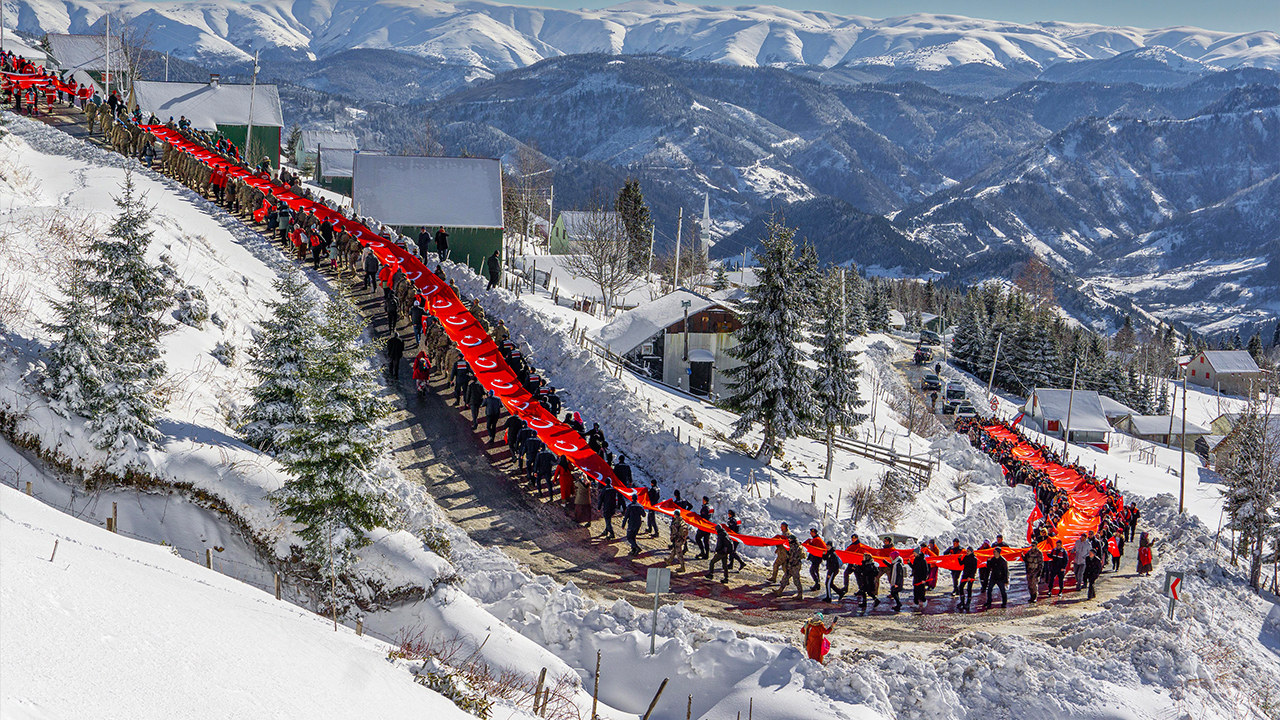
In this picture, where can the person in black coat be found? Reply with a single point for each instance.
(416, 315)
(395, 351)
(494, 266)
(543, 465)
(424, 240)
(1056, 566)
(393, 311)
(654, 498)
(732, 525)
(919, 576)
(723, 549)
(999, 569)
(868, 577)
(968, 571)
(634, 518)
(475, 399)
(461, 377)
(442, 244)
(703, 538)
(1092, 570)
(833, 565)
(607, 501)
(492, 411)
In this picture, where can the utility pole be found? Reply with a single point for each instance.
(248, 133)
(108, 82)
(1071, 401)
(166, 66)
(992, 377)
(679, 226)
(653, 229)
(1182, 482)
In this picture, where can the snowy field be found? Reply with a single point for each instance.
(1124, 660)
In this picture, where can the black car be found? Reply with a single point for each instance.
(929, 337)
(931, 382)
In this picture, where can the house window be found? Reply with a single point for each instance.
(1201, 359)
(646, 349)
(1193, 373)
(1052, 426)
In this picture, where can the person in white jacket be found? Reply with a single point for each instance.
(1079, 554)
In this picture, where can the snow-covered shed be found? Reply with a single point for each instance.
(1114, 409)
(218, 106)
(1047, 410)
(1163, 429)
(1230, 371)
(335, 167)
(653, 336)
(81, 52)
(461, 195)
(308, 148)
(23, 49)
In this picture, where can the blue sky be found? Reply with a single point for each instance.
(1229, 15)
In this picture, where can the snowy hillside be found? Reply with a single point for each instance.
(114, 627)
(497, 37)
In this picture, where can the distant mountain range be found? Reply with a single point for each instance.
(490, 37)
(1142, 164)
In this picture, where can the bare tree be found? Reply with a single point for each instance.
(130, 43)
(427, 140)
(601, 252)
(527, 188)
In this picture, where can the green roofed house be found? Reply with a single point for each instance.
(216, 106)
(461, 195)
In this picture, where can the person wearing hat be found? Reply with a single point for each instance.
(919, 576)
(955, 549)
(815, 632)
(896, 579)
(442, 244)
(968, 571)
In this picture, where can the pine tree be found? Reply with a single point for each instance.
(1275, 337)
(721, 281)
(636, 220)
(1255, 346)
(836, 380)
(331, 457)
(878, 308)
(771, 387)
(1033, 351)
(132, 295)
(279, 362)
(969, 344)
(1252, 477)
(73, 378)
(855, 301)
(812, 279)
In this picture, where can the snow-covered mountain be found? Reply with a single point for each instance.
(494, 37)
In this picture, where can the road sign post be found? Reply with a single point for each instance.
(1172, 589)
(657, 582)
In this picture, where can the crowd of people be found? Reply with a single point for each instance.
(552, 476)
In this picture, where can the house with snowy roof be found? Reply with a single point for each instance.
(691, 356)
(1166, 430)
(1114, 409)
(1218, 448)
(571, 226)
(309, 146)
(1230, 371)
(218, 106)
(1050, 411)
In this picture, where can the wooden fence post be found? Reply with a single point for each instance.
(277, 586)
(654, 702)
(115, 518)
(688, 713)
(110, 527)
(208, 558)
(595, 692)
(55, 550)
(29, 488)
(542, 676)
(359, 627)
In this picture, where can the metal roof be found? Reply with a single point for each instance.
(429, 191)
(1231, 361)
(208, 105)
(1159, 425)
(629, 330)
(313, 140)
(1086, 408)
(1115, 408)
(82, 52)
(337, 162)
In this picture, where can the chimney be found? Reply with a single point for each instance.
(213, 79)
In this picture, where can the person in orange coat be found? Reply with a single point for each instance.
(815, 631)
(564, 475)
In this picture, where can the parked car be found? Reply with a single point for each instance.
(966, 410)
(929, 337)
(931, 382)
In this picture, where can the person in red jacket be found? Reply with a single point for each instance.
(819, 548)
(815, 632)
(421, 371)
(564, 476)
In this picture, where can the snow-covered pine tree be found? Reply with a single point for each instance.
(721, 280)
(855, 301)
(279, 362)
(812, 281)
(969, 344)
(1114, 383)
(73, 376)
(333, 492)
(835, 388)
(1034, 352)
(878, 308)
(771, 387)
(131, 295)
(1255, 346)
(1252, 477)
